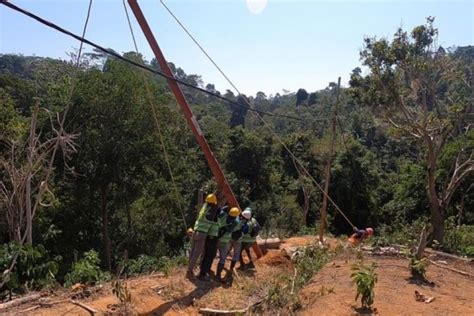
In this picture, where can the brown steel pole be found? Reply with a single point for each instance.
(190, 118)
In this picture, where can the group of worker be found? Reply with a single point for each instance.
(223, 229)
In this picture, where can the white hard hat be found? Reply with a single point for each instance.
(247, 214)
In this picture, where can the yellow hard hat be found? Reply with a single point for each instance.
(211, 199)
(234, 212)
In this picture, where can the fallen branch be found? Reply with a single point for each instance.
(451, 269)
(210, 311)
(293, 283)
(20, 301)
(91, 310)
(29, 309)
(448, 255)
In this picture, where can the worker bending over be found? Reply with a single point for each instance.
(205, 226)
(359, 235)
(249, 238)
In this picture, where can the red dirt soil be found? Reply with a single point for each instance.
(394, 291)
(176, 295)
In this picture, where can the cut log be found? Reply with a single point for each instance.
(29, 309)
(448, 255)
(91, 310)
(269, 243)
(20, 301)
(211, 311)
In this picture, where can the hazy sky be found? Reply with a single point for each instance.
(288, 45)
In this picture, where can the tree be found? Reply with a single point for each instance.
(426, 95)
(301, 96)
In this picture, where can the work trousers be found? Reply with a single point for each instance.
(225, 248)
(197, 250)
(210, 251)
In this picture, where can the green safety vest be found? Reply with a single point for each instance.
(226, 238)
(247, 238)
(204, 225)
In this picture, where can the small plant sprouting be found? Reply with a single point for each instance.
(364, 277)
(418, 267)
(121, 291)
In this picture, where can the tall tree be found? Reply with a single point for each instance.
(425, 94)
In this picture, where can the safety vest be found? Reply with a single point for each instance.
(247, 238)
(204, 225)
(228, 235)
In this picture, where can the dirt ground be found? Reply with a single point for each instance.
(330, 292)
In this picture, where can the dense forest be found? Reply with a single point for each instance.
(99, 157)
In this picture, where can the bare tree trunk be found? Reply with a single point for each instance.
(306, 195)
(29, 215)
(437, 218)
(327, 171)
(105, 227)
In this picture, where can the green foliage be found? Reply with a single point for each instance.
(418, 267)
(34, 268)
(86, 270)
(312, 259)
(121, 291)
(364, 277)
(459, 239)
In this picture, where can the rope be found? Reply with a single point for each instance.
(265, 123)
(110, 52)
(178, 196)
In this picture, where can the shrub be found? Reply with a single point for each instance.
(86, 270)
(458, 239)
(33, 269)
(364, 277)
(418, 267)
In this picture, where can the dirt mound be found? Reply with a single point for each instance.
(276, 258)
(331, 292)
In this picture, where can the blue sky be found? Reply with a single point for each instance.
(290, 45)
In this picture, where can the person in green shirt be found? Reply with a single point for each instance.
(249, 238)
(229, 223)
(205, 225)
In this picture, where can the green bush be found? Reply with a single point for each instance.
(86, 270)
(33, 269)
(311, 260)
(364, 277)
(142, 264)
(418, 267)
(458, 239)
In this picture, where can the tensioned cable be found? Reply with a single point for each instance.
(178, 196)
(136, 64)
(263, 121)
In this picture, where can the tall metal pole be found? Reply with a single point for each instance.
(190, 118)
(216, 169)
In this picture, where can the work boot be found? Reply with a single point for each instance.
(204, 277)
(250, 265)
(220, 267)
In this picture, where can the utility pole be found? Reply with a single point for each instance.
(216, 169)
(327, 169)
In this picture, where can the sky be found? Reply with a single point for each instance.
(288, 44)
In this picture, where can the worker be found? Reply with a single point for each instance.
(205, 224)
(249, 238)
(228, 223)
(210, 249)
(360, 234)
